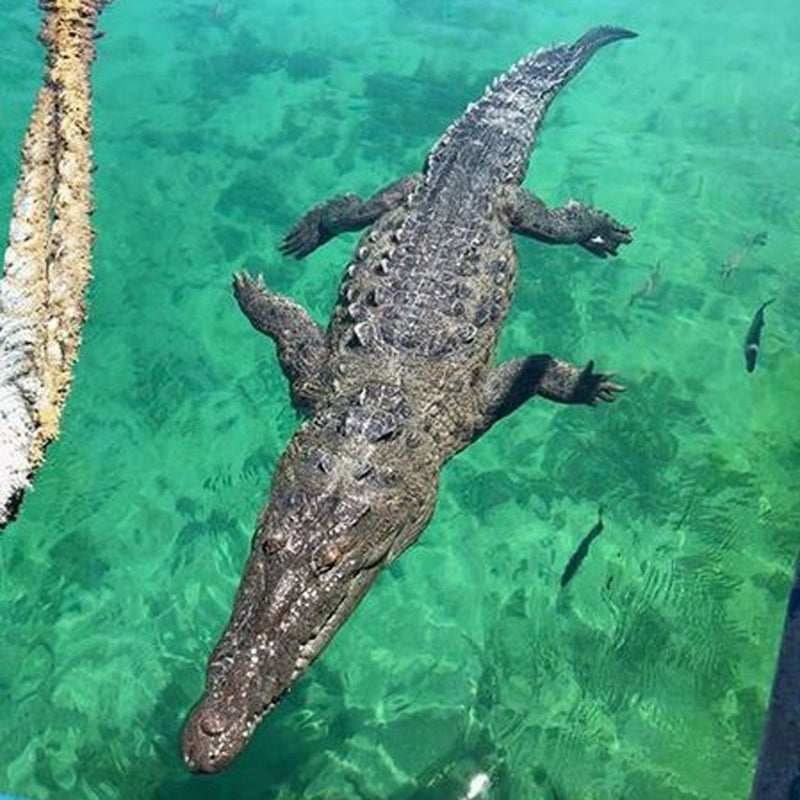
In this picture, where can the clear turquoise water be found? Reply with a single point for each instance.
(216, 127)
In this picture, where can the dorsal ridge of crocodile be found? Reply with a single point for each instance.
(505, 120)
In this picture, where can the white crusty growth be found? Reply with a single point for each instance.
(47, 264)
(22, 391)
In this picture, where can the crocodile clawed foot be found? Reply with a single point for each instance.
(305, 237)
(246, 289)
(607, 237)
(595, 387)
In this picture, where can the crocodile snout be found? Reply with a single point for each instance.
(211, 740)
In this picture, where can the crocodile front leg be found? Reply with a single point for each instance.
(302, 348)
(510, 384)
(573, 223)
(346, 212)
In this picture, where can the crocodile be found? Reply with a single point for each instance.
(402, 379)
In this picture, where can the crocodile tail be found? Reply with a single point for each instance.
(505, 120)
(547, 70)
(595, 38)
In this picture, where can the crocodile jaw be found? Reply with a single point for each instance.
(256, 678)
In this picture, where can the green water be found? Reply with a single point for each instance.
(647, 677)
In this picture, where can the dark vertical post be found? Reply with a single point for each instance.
(778, 770)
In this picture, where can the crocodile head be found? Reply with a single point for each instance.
(352, 491)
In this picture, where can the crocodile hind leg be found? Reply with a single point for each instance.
(510, 384)
(572, 223)
(302, 347)
(346, 212)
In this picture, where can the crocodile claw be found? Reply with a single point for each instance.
(305, 237)
(249, 294)
(340, 213)
(607, 237)
(243, 283)
(594, 387)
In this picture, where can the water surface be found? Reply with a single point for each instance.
(217, 125)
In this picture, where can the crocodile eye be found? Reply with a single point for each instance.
(326, 557)
(213, 723)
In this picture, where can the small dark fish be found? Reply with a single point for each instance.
(583, 549)
(647, 287)
(732, 262)
(753, 339)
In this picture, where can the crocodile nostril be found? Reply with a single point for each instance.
(213, 723)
